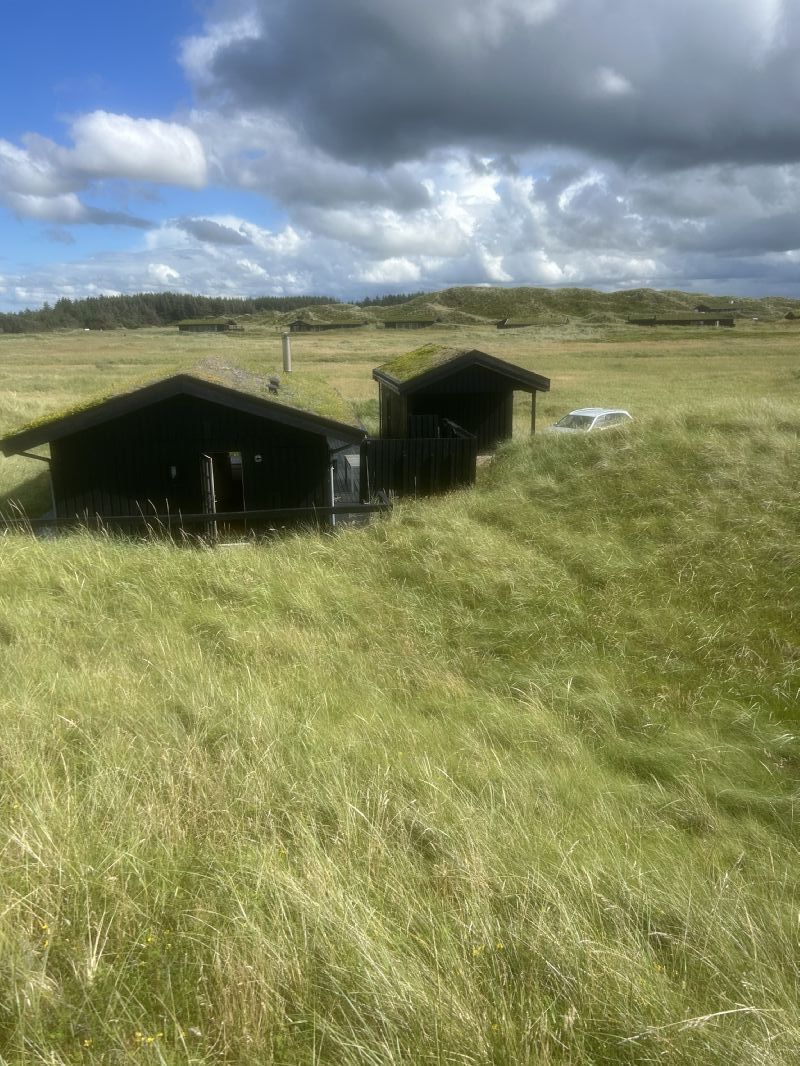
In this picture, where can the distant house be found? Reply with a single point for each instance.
(302, 325)
(726, 319)
(723, 309)
(468, 388)
(207, 440)
(410, 322)
(206, 325)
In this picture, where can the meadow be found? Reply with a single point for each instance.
(509, 776)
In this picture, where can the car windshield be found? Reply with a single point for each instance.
(575, 421)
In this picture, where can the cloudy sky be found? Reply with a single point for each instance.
(354, 147)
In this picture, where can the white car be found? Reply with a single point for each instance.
(590, 418)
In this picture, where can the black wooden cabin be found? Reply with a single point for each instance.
(423, 390)
(203, 441)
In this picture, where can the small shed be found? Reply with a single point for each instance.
(469, 388)
(211, 439)
(206, 325)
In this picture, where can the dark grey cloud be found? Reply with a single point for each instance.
(672, 83)
(203, 229)
(98, 217)
(298, 174)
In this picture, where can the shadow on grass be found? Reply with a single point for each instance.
(29, 498)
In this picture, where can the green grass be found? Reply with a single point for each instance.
(510, 777)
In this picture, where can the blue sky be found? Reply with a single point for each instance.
(66, 59)
(256, 147)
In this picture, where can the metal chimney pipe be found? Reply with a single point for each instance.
(287, 354)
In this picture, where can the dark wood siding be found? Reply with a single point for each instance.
(476, 398)
(417, 466)
(151, 459)
(489, 416)
(393, 417)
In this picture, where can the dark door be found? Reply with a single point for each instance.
(222, 484)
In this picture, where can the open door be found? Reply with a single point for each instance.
(209, 492)
(222, 489)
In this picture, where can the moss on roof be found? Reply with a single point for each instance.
(304, 392)
(310, 394)
(412, 364)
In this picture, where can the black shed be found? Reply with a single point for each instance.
(210, 439)
(464, 386)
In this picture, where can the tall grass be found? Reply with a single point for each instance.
(509, 777)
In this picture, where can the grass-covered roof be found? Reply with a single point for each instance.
(302, 393)
(430, 358)
(420, 361)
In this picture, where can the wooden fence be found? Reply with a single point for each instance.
(418, 466)
(205, 525)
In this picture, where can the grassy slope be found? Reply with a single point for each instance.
(552, 305)
(507, 778)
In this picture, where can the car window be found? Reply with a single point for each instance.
(575, 422)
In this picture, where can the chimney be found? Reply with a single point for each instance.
(287, 354)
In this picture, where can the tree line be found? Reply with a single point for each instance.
(390, 298)
(144, 309)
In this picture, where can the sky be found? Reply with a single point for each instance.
(358, 147)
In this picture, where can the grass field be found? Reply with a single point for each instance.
(509, 777)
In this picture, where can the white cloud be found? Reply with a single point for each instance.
(251, 268)
(586, 181)
(163, 274)
(63, 208)
(395, 271)
(145, 149)
(45, 181)
(32, 170)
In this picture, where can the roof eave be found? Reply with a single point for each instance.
(386, 379)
